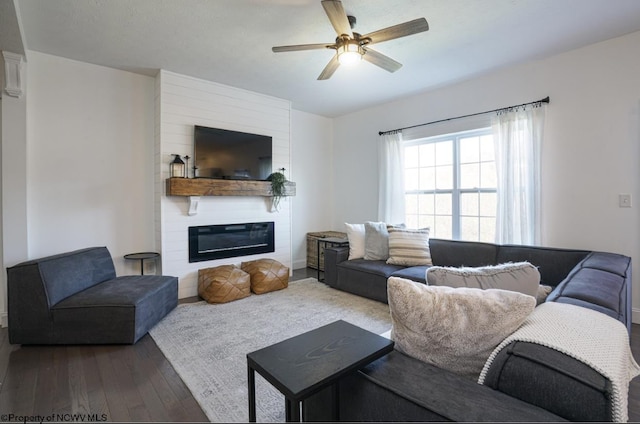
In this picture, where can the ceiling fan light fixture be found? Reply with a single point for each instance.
(352, 47)
(349, 53)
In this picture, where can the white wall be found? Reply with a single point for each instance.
(590, 153)
(181, 103)
(90, 135)
(92, 169)
(312, 170)
(13, 133)
(90, 155)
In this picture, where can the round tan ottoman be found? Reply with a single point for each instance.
(266, 275)
(223, 284)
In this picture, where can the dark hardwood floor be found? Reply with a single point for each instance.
(121, 383)
(114, 383)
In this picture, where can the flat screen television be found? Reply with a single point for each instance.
(233, 155)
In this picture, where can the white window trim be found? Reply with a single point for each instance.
(456, 191)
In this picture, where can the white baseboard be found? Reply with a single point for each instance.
(302, 263)
(635, 316)
(4, 320)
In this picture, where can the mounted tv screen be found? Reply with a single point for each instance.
(231, 154)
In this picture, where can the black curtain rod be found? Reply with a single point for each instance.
(545, 100)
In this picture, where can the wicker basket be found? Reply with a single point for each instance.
(312, 247)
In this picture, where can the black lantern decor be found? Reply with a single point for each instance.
(177, 167)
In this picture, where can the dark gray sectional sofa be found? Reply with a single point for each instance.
(76, 298)
(526, 382)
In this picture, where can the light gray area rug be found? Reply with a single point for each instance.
(207, 344)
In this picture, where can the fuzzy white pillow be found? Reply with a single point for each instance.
(453, 328)
(522, 277)
(355, 234)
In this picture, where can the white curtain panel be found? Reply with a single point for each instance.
(391, 178)
(518, 136)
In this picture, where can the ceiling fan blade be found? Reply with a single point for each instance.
(330, 68)
(337, 16)
(378, 59)
(299, 47)
(397, 31)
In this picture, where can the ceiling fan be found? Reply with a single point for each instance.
(350, 46)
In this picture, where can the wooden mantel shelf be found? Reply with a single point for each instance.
(215, 187)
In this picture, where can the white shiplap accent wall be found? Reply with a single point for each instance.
(181, 103)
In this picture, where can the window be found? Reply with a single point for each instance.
(450, 185)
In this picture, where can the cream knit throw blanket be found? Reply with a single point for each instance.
(589, 336)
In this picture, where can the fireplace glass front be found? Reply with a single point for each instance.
(210, 242)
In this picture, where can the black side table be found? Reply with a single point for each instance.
(303, 365)
(328, 241)
(142, 256)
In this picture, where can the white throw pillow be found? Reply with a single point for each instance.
(453, 328)
(519, 276)
(355, 234)
(409, 247)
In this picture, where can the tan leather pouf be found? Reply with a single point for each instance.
(266, 275)
(223, 284)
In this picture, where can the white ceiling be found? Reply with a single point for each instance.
(229, 41)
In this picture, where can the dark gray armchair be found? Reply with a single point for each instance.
(76, 298)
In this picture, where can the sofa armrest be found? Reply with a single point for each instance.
(551, 380)
(28, 306)
(602, 282)
(332, 257)
(34, 286)
(398, 388)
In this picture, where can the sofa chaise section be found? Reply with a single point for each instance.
(76, 298)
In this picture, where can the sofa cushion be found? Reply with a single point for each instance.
(365, 278)
(68, 273)
(414, 273)
(601, 290)
(462, 253)
(595, 286)
(453, 328)
(372, 267)
(609, 262)
(376, 241)
(521, 277)
(409, 247)
(355, 234)
(600, 282)
(553, 264)
(120, 310)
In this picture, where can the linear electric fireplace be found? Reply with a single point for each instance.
(210, 242)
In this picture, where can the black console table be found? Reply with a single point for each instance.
(328, 241)
(303, 365)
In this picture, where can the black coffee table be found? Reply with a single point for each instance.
(303, 365)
